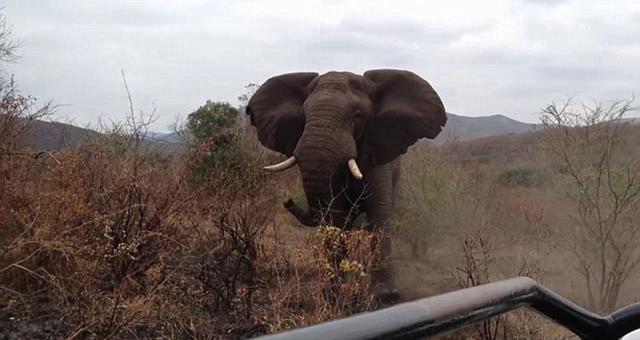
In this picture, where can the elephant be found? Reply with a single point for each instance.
(346, 132)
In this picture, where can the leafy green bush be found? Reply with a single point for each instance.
(213, 119)
(215, 141)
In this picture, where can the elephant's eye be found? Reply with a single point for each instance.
(356, 112)
(360, 115)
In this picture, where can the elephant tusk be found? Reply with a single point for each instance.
(355, 171)
(284, 165)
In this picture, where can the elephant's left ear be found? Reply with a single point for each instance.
(276, 110)
(406, 108)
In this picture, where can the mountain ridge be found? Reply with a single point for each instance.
(466, 128)
(48, 135)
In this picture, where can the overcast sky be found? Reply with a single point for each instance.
(483, 57)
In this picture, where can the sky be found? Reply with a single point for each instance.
(482, 57)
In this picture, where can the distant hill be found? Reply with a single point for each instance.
(465, 128)
(525, 148)
(45, 135)
(462, 128)
(166, 137)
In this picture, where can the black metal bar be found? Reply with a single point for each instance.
(450, 311)
(625, 320)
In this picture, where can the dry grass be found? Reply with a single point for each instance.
(113, 239)
(116, 239)
(119, 242)
(460, 227)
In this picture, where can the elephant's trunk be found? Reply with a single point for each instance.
(307, 218)
(322, 153)
(318, 162)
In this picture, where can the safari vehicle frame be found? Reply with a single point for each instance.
(447, 312)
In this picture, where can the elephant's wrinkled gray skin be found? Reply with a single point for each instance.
(326, 120)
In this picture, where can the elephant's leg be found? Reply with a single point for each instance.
(379, 212)
(395, 181)
(380, 192)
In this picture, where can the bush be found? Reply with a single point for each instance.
(328, 278)
(521, 176)
(439, 193)
(111, 241)
(116, 240)
(215, 141)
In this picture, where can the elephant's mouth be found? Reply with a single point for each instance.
(314, 216)
(291, 161)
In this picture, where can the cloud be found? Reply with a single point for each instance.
(547, 2)
(492, 57)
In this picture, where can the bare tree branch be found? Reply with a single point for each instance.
(601, 178)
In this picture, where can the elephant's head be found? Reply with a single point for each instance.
(339, 120)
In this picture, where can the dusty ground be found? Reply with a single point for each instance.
(45, 326)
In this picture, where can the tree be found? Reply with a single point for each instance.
(8, 46)
(250, 89)
(244, 98)
(212, 120)
(17, 111)
(214, 131)
(599, 172)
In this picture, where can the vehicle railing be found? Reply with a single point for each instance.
(446, 312)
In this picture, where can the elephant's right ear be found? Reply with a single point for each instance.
(276, 111)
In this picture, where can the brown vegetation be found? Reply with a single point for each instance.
(115, 239)
(600, 174)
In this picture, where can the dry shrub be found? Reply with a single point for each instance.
(599, 174)
(459, 224)
(218, 273)
(85, 233)
(113, 239)
(479, 265)
(345, 260)
(118, 238)
(331, 280)
(441, 194)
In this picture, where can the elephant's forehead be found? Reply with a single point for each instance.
(344, 81)
(340, 74)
